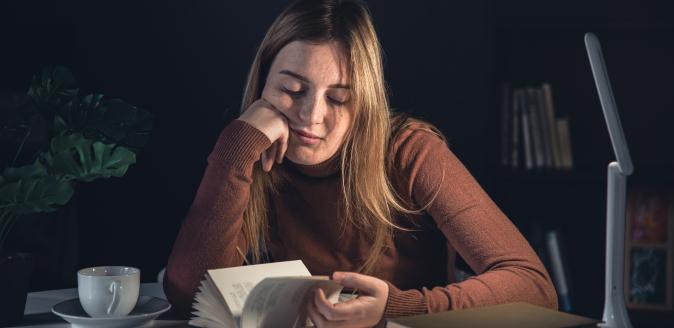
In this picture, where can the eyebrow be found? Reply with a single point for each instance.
(302, 78)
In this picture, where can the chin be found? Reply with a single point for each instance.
(305, 156)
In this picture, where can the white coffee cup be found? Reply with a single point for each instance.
(108, 291)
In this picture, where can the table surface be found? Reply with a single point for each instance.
(38, 307)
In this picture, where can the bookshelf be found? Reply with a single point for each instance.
(542, 42)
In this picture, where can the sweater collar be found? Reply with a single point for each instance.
(323, 169)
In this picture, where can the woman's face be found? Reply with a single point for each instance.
(309, 84)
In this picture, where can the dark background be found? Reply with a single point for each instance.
(445, 61)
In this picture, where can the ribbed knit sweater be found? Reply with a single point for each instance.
(305, 224)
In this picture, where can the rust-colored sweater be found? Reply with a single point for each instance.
(418, 266)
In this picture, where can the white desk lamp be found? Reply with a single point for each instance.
(615, 314)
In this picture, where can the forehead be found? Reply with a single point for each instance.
(323, 63)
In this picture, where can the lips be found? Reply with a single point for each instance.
(305, 134)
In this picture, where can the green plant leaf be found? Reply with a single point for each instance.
(51, 88)
(34, 195)
(60, 124)
(80, 114)
(109, 121)
(127, 125)
(13, 174)
(74, 157)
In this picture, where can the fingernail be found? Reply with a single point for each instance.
(337, 275)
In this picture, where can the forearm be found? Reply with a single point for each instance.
(212, 229)
(506, 285)
(508, 269)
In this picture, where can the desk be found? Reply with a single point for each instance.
(39, 304)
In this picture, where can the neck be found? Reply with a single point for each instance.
(326, 168)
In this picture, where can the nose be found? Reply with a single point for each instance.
(312, 111)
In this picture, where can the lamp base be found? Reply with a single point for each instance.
(615, 315)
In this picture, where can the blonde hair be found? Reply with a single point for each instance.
(369, 198)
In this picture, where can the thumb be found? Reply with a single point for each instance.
(358, 281)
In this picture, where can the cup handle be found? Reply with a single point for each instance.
(114, 290)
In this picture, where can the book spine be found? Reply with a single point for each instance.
(506, 109)
(554, 135)
(526, 132)
(563, 126)
(567, 126)
(515, 131)
(558, 272)
(547, 145)
(535, 128)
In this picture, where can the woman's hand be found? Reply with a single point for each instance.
(364, 311)
(274, 124)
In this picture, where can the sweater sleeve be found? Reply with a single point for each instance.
(507, 268)
(212, 228)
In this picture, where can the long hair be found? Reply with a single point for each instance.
(368, 196)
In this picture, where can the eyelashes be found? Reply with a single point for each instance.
(294, 93)
(298, 94)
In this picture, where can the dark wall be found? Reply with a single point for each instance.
(186, 62)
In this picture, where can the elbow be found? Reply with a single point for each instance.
(545, 289)
(550, 295)
(178, 295)
(538, 286)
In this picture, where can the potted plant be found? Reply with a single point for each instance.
(87, 138)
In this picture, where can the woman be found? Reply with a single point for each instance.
(317, 168)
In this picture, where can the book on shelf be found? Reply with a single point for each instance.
(506, 94)
(550, 250)
(521, 315)
(536, 137)
(545, 128)
(515, 131)
(558, 270)
(565, 141)
(526, 130)
(554, 135)
(536, 128)
(260, 295)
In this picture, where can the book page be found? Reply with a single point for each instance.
(281, 301)
(210, 309)
(235, 283)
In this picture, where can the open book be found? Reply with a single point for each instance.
(261, 295)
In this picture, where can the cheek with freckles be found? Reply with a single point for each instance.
(281, 100)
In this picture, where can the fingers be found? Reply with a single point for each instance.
(332, 312)
(267, 101)
(278, 157)
(283, 147)
(271, 155)
(319, 320)
(267, 157)
(315, 317)
(282, 141)
(263, 159)
(274, 153)
(364, 283)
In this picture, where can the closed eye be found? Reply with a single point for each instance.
(297, 94)
(294, 93)
(338, 103)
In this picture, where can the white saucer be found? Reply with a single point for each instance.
(147, 308)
